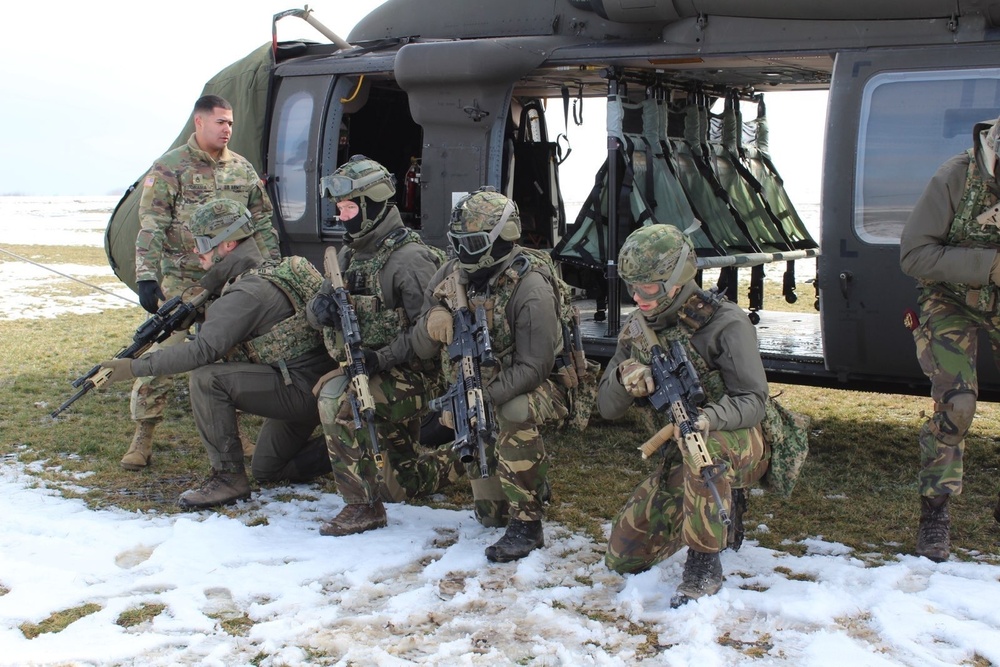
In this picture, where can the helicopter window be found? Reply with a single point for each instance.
(292, 149)
(910, 124)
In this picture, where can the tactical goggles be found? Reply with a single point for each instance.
(337, 186)
(205, 244)
(476, 243)
(648, 291)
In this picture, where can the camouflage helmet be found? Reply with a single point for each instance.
(365, 182)
(486, 210)
(217, 221)
(657, 254)
(360, 176)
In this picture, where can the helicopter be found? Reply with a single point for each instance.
(451, 95)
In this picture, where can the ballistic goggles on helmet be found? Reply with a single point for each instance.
(476, 243)
(654, 290)
(337, 186)
(205, 244)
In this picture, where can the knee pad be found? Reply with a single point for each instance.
(333, 390)
(515, 411)
(954, 416)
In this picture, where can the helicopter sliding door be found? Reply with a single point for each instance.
(894, 117)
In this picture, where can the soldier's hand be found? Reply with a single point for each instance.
(345, 414)
(150, 295)
(324, 310)
(121, 370)
(636, 377)
(371, 361)
(440, 326)
(447, 419)
(703, 425)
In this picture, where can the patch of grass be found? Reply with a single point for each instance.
(236, 626)
(57, 254)
(58, 621)
(141, 614)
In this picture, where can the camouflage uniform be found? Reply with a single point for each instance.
(951, 255)
(673, 507)
(385, 272)
(176, 184)
(270, 358)
(521, 310)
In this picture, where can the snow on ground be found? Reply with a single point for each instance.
(420, 592)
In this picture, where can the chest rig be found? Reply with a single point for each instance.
(298, 280)
(967, 231)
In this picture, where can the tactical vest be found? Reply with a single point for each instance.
(696, 311)
(299, 280)
(966, 232)
(379, 325)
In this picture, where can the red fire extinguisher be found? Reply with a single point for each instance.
(411, 198)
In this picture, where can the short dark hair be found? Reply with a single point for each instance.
(206, 103)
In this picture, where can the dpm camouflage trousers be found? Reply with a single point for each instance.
(946, 343)
(517, 463)
(673, 507)
(408, 471)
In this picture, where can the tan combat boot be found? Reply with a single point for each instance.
(221, 488)
(140, 452)
(358, 518)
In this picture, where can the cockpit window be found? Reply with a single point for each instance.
(292, 148)
(911, 124)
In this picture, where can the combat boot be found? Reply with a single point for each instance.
(356, 518)
(221, 488)
(933, 540)
(140, 452)
(702, 576)
(521, 538)
(735, 532)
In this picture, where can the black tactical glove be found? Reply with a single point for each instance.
(325, 311)
(371, 361)
(149, 295)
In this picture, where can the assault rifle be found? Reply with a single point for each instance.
(361, 400)
(174, 315)
(679, 390)
(470, 349)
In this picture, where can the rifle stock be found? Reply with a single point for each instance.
(678, 390)
(174, 315)
(361, 400)
(470, 349)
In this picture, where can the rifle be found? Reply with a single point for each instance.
(174, 315)
(679, 390)
(361, 400)
(470, 349)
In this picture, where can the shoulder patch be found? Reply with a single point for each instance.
(149, 181)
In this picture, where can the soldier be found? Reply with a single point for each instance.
(385, 268)
(272, 358)
(516, 290)
(202, 170)
(674, 507)
(950, 246)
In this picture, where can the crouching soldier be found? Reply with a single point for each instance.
(512, 289)
(386, 267)
(270, 357)
(675, 506)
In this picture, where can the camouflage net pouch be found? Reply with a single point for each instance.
(787, 433)
(583, 397)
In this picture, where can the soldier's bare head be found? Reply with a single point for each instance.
(213, 124)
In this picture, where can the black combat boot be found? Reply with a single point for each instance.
(521, 538)
(735, 532)
(221, 488)
(933, 540)
(702, 576)
(356, 518)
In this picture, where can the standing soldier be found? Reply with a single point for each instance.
(386, 267)
(255, 352)
(674, 506)
(202, 170)
(515, 289)
(950, 246)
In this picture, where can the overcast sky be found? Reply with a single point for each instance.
(94, 92)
